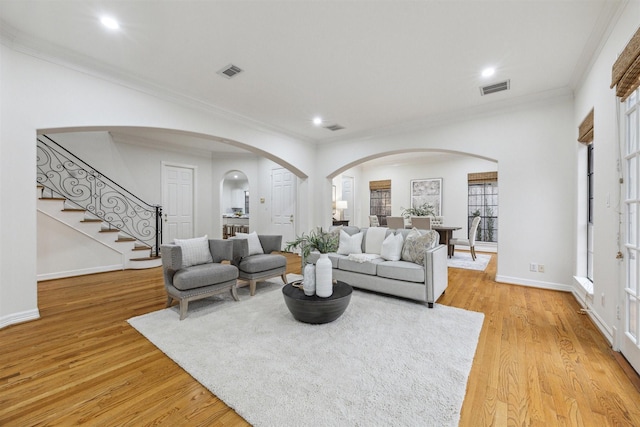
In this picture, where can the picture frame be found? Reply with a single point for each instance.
(427, 191)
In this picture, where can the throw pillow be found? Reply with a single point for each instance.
(374, 239)
(194, 251)
(416, 244)
(350, 244)
(392, 247)
(255, 247)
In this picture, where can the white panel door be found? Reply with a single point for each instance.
(630, 342)
(283, 204)
(347, 194)
(177, 202)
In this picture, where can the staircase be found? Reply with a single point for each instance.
(78, 196)
(135, 255)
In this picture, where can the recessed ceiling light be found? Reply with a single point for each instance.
(488, 72)
(317, 121)
(109, 22)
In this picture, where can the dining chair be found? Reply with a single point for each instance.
(471, 241)
(373, 221)
(421, 222)
(395, 222)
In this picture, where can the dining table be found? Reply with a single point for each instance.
(446, 233)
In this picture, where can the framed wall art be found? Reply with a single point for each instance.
(427, 191)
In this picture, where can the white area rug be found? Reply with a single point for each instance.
(464, 260)
(384, 362)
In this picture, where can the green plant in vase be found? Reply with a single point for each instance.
(425, 209)
(318, 239)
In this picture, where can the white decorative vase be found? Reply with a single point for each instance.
(309, 280)
(324, 276)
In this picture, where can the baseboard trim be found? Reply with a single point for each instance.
(606, 331)
(23, 316)
(81, 272)
(534, 283)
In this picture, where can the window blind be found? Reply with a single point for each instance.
(625, 75)
(585, 130)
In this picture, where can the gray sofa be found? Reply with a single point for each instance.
(424, 283)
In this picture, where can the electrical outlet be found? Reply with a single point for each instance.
(533, 267)
(618, 312)
(540, 268)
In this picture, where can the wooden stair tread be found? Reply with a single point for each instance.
(126, 239)
(73, 210)
(56, 199)
(150, 258)
(141, 248)
(110, 230)
(91, 220)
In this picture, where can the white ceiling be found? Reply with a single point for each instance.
(369, 66)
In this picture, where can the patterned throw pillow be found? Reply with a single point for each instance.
(416, 244)
(194, 251)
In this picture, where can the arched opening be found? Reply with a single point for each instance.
(235, 204)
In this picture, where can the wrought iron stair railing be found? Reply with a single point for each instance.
(68, 176)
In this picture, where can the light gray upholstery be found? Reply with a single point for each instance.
(424, 282)
(258, 267)
(471, 241)
(198, 281)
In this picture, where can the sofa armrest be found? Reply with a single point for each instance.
(270, 243)
(171, 257)
(436, 272)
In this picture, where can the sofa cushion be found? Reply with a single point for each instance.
(416, 243)
(392, 247)
(262, 262)
(401, 270)
(373, 240)
(369, 267)
(201, 275)
(255, 247)
(350, 244)
(333, 257)
(194, 251)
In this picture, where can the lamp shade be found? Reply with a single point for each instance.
(341, 204)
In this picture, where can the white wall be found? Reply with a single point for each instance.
(533, 145)
(594, 92)
(40, 95)
(452, 168)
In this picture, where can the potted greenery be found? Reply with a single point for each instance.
(323, 242)
(318, 240)
(425, 209)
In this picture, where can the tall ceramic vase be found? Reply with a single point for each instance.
(324, 276)
(309, 280)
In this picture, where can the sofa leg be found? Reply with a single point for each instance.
(183, 308)
(169, 300)
(430, 304)
(234, 293)
(252, 287)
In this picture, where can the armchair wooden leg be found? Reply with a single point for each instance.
(169, 300)
(284, 278)
(184, 303)
(252, 287)
(473, 252)
(234, 293)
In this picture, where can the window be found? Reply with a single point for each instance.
(590, 191)
(380, 200)
(483, 202)
(246, 202)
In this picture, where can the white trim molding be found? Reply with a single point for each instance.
(23, 316)
(534, 283)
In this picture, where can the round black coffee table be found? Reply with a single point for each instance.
(314, 309)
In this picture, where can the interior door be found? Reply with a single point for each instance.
(177, 202)
(283, 203)
(630, 341)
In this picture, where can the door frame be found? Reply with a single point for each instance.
(194, 199)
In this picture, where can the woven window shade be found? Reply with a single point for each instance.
(481, 177)
(625, 75)
(380, 185)
(585, 130)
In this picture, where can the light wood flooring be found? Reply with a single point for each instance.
(538, 362)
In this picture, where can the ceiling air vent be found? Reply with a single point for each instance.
(230, 71)
(496, 87)
(334, 127)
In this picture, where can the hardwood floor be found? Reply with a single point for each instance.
(538, 362)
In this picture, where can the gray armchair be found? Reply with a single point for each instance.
(258, 267)
(198, 281)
